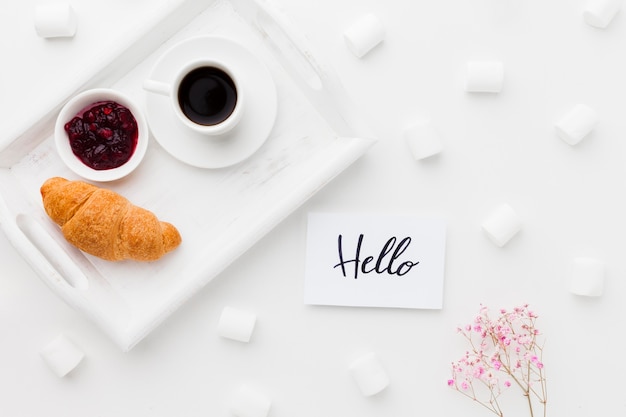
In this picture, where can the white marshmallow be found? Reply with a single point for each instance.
(364, 34)
(236, 324)
(249, 403)
(599, 13)
(484, 76)
(369, 374)
(502, 224)
(55, 20)
(61, 355)
(587, 277)
(576, 124)
(423, 140)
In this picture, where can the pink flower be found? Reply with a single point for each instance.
(507, 344)
(478, 371)
(534, 359)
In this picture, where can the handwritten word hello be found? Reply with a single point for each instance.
(381, 265)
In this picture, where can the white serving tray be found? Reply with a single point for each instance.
(219, 212)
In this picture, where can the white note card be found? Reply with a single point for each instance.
(362, 260)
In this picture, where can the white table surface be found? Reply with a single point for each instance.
(498, 148)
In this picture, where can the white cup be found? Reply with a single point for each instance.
(202, 96)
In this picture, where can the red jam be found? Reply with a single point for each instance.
(104, 136)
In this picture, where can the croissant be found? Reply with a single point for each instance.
(105, 224)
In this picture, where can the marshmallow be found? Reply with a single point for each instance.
(587, 277)
(502, 224)
(369, 374)
(249, 403)
(61, 355)
(236, 324)
(576, 124)
(423, 140)
(55, 20)
(599, 13)
(364, 34)
(484, 76)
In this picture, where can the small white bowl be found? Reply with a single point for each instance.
(77, 105)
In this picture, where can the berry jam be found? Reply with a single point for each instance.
(104, 136)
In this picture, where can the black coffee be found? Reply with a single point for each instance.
(207, 95)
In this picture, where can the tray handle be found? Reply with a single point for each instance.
(279, 28)
(66, 275)
(57, 269)
(317, 81)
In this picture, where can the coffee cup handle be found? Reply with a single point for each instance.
(157, 87)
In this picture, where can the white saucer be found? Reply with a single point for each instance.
(244, 139)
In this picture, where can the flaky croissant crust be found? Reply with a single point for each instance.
(105, 224)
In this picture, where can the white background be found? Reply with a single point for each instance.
(498, 148)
